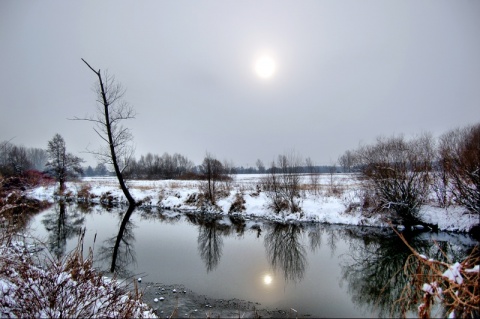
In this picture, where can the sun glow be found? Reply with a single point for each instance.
(265, 67)
(267, 279)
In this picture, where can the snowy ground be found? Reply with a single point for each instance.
(331, 205)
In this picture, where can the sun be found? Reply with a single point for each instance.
(267, 279)
(265, 67)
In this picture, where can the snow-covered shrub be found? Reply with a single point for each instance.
(238, 204)
(61, 289)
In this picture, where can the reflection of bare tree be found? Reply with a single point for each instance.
(165, 216)
(210, 243)
(62, 225)
(285, 251)
(332, 241)
(374, 270)
(120, 247)
(315, 238)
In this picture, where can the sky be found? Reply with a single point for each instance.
(345, 72)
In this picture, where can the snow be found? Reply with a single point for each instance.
(177, 195)
(474, 269)
(53, 293)
(453, 273)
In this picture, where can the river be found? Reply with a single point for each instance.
(319, 270)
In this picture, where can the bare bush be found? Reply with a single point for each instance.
(282, 184)
(238, 205)
(459, 158)
(313, 175)
(398, 173)
(455, 285)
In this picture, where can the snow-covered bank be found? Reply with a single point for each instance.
(70, 288)
(336, 203)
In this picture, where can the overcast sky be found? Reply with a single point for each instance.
(345, 73)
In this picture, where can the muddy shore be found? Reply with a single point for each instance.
(177, 301)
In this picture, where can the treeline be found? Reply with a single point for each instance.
(15, 160)
(153, 166)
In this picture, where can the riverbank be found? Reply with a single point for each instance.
(336, 201)
(180, 302)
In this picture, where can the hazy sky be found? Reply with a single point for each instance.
(346, 72)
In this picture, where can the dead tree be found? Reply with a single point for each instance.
(111, 112)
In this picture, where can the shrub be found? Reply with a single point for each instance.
(282, 184)
(69, 288)
(238, 205)
(459, 158)
(84, 192)
(397, 172)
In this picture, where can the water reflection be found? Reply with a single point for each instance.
(119, 249)
(63, 223)
(307, 255)
(210, 241)
(285, 251)
(374, 269)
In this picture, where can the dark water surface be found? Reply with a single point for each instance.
(318, 270)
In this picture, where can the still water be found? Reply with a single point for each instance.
(319, 270)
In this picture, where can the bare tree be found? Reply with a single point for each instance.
(213, 172)
(397, 172)
(229, 174)
(37, 157)
(18, 159)
(459, 152)
(260, 166)
(111, 111)
(62, 165)
(5, 148)
(313, 175)
(347, 161)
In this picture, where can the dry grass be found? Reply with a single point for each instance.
(34, 287)
(455, 285)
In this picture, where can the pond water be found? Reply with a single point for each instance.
(319, 270)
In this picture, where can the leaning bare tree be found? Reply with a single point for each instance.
(112, 110)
